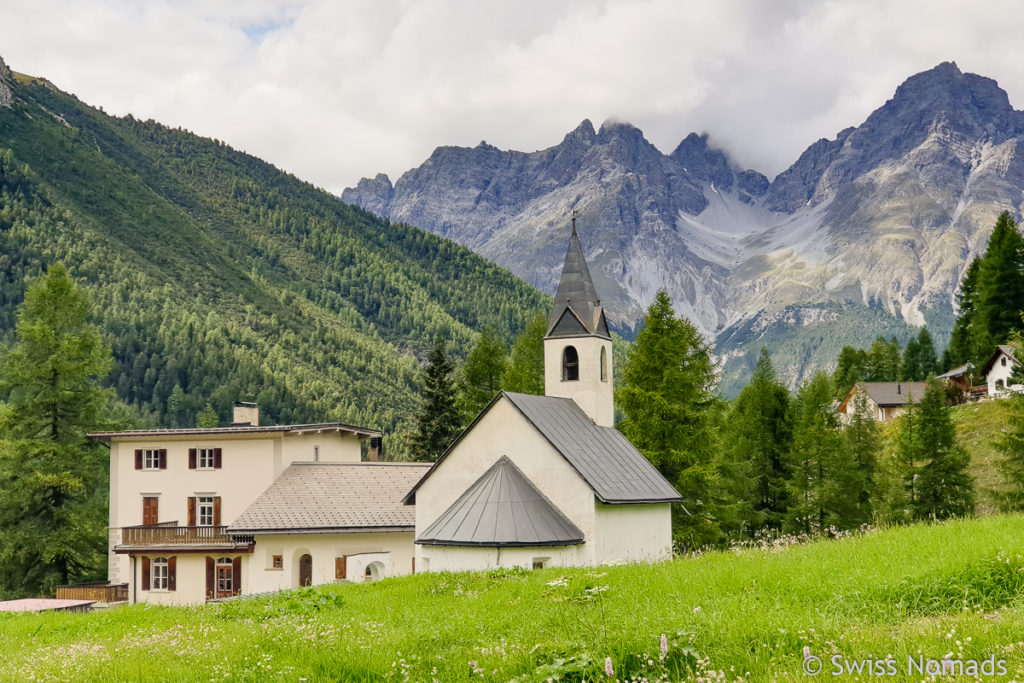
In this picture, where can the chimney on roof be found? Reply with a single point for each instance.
(899, 389)
(246, 414)
(374, 451)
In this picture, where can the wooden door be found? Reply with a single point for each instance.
(306, 570)
(150, 513)
(225, 579)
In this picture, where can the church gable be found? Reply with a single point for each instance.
(568, 325)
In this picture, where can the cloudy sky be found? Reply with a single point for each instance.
(336, 90)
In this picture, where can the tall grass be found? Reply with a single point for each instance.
(930, 590)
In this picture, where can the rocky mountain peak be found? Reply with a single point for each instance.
(703, 162)
(6, 79)
(583, 133)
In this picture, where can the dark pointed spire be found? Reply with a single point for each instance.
(577, 309)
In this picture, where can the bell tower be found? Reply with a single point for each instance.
(577, 346)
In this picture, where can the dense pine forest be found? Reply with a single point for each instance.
(216, 277)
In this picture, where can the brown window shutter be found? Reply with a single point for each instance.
(145, 573)
(191, 510)
(172, 572)
(191, 458)
(236, 575)
(138, 458)
(211, 578)
(216, 458)
(340, 567)
(150, 511)
(413, 565)
(163, 458)
(216, 511)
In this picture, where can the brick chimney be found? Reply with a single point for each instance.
(246, 414)
(374, 451)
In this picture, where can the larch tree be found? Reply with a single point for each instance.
(481, 374)
(54, 482)
(437, 422)
(525, 371)
(670, 413)
(862, 444)
(944, 488)
(817, 444)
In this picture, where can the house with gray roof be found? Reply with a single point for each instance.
(538, 481)
(885, 400)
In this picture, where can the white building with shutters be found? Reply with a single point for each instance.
(175, 494)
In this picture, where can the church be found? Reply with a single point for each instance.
(539, 481)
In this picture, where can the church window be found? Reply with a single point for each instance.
(570, 364)
(604, 364)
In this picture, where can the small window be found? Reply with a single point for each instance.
(1002, 361)
(277, 562)
(604, 364)
(225, 576)
(151, 459)
(206, 459)
(316, 454)
(570, 364)
(206, 515)
(540, 562)
(158, 577)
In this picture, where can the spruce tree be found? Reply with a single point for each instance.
(959, 350)
(437, 422)
(862, 444)
(851, 367)
(919, 359)
(53, 481)
(1011, 445)
(1000, 289)
(525, 371)
(756, 445)
(671, 412)
(813, 458)
(481, 374)
(207, 417)
(944, 488)
(883, 361)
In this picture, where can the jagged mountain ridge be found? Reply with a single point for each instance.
(875, 225)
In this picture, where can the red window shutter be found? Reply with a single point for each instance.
(138, 458)
(236, 575)
(340, 567)
(191, 510)
(172, 573)
(216, 511)
(163, 458)
(211, 578)
(216, 458)
(191, 458)
(145, 573)
(413, 565)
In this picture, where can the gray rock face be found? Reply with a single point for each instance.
(6, 80)
(877, 223)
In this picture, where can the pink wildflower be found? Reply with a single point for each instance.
(807, 651)
(609, 671)
(664, 646)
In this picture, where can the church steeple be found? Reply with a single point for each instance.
(578, 347)
(577, 309)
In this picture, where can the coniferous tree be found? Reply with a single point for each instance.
(53, 505)
(525, 370)
(481, 374)
(670, 411)
(959, 350)
(919, 359)
(437, 422)
(1011, 444)
(207, 417)
(1000, 289)
(883, 361)
(816, 446)
(862, 444)
(851, 367)
(944, 488)
(756, 445)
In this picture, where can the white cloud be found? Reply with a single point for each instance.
(333, 91)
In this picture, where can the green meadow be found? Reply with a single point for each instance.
(925, 592)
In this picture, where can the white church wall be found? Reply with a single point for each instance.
(504, 431)
(594, 395)
(456, 559)
(632, 533)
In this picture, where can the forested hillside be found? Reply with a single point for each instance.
(215, 272)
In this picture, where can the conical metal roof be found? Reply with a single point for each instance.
(576, 294)
(502, 508)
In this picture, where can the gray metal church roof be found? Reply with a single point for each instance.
(616, 471)
(576, 300)
(502, 508)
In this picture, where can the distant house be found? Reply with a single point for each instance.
(959, 377)
(886, 400)
(998, 369)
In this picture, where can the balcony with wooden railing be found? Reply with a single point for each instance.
(170, 535)
(98, 592)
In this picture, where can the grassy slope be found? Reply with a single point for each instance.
(935, 589)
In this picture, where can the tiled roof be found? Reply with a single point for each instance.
(955, 372)
(244, 429)
(334, 497)
(893, 393)
(502, 508)
(615, 470)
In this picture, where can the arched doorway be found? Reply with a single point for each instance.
(306, 570)
(373, 572)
